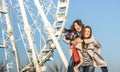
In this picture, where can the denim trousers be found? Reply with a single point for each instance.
(104, 69)
(87, 68)
(71, 64)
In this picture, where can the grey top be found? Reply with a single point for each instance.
(87, 60)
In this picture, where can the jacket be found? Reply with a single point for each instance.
(98, 61)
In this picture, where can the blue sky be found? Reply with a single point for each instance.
(103, 16)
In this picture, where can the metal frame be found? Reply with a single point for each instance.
(53, 30)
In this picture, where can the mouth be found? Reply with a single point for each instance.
(78, 28)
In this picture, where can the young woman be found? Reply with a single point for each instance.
(91, 58)
(73, 38)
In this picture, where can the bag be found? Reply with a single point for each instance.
(76, 55)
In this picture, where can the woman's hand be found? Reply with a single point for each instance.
(78, 40)
(73, 42)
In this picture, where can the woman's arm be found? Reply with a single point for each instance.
(66, 41)
(98, 46)
(86, 41)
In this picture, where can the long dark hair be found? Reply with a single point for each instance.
(79, 22)
(82, 36)
(83, 32)
(71, 33)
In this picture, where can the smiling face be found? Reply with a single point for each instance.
(87, 33)
(77, 27)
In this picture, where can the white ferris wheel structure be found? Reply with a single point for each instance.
(31, 28)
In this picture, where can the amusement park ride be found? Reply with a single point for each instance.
(33, 27)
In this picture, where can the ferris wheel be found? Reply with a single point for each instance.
(31, 28)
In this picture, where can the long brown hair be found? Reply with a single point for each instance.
(79, 22)
(83, 32)
(83, 37)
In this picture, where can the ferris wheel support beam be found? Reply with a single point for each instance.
(49, 28)
(11, 36)
(29, 35)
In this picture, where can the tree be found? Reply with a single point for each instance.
(55, 67)
(2, 67)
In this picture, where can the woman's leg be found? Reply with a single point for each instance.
(71, 65)
(104, 69)
(82, 69)
(89, 69)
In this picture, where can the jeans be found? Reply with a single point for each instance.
(104, 69)
(87, 68)
(71, 64)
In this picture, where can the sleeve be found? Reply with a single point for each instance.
(90, 40)
(98, 46)
(66, 41)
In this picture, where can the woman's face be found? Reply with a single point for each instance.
(87, 32)
(77, 27)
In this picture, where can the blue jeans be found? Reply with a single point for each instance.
(104, 69)
(87, 68)
(71, 64)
